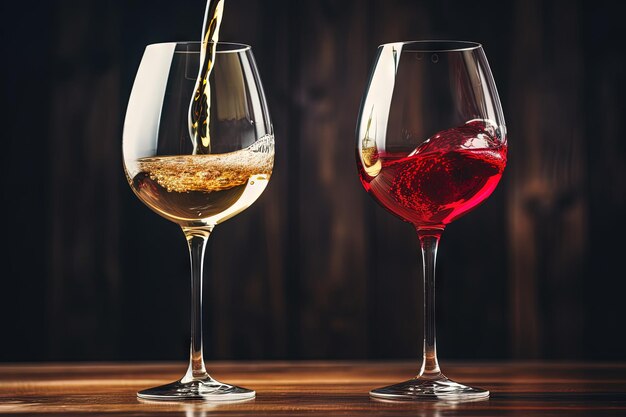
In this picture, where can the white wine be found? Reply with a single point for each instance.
(200, 106)
(204, 189)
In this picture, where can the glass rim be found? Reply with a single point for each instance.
(437, 45)
(231, 47)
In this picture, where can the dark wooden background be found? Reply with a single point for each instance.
(315, 269)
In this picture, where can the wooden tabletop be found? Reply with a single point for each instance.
(314, 388)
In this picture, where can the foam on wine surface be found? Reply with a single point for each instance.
(212, 172)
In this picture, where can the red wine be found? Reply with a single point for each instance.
(444, 178)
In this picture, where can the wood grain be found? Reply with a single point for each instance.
(547, 218)
(314, 388)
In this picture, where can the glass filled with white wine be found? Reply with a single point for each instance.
(197, 152)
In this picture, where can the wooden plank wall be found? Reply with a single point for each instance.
(315, 269)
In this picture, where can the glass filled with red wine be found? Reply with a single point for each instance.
(431, 146)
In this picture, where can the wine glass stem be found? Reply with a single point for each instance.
(429, 242)
(196, 239)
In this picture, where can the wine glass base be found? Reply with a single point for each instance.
(429, 389)
(200, 389)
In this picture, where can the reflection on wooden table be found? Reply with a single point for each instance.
(314, 388)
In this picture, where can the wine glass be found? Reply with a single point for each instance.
(197, 186)
(431, 146)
